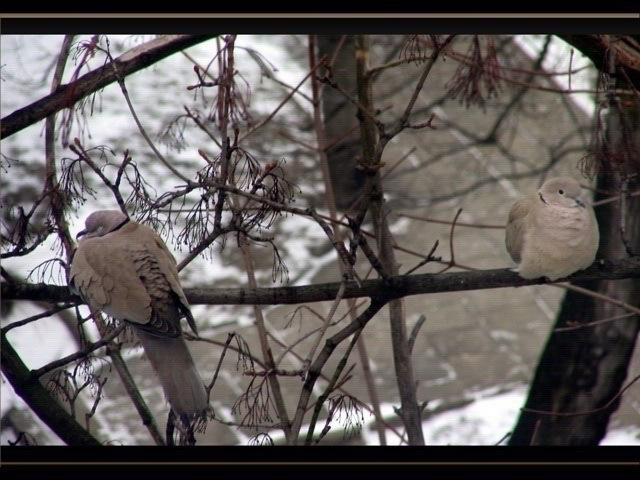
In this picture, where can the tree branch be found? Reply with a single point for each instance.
(40, 400)
(65, 96)
(402, 286)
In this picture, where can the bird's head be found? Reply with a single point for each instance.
(561, 191)
(102, 222)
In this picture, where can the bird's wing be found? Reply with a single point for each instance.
(102, 272)
(125, 274)
(166, 264)
(516, 227)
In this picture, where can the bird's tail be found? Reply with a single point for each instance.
(178, 373)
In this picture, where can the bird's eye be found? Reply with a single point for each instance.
(561, 192)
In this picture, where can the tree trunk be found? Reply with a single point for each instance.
(341, 126)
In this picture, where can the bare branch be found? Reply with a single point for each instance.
(84, 352)
(403, 285)
(316, 368)
(325, 325)
(48, 313)
(330, 387)
(430, 258)
(588, 412)
(134, 394)
(414, 332)
(267, 353)
(578, 326)
(266, 119)
(40, 400)
(449, 222)
(65, 96)
(143, 132)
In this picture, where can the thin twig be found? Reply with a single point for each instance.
(383, 423)
(599, 296)
(224, 345)
(360, 240)
(266, 119)
(614, 199)
(202, 127)
(202, 246)
(58, 201)
(463, 58)
(347, 259)
(224, 113)
(327, 321)
(597, 322)
(414, 332)
(429, 258)
(277, 371)
(291, 138)
(264, 342)
(316, 368)
(134, 394)
(310, 333)
(224, 352)
(82, 153)
(449, 222)
(588, 412)
(142, 130)
(404, 118)
(452, 262)
(48, 313)
(79, 354)
(330, 387)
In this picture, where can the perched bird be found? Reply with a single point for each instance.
(125, 270)
(552, 233)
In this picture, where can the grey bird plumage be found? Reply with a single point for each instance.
(125, 270)
(552, 233)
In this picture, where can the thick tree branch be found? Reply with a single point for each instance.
(41, 401)
(66, 95)
(400, 286)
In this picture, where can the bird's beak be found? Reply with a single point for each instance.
(580, 203)
(80, 233)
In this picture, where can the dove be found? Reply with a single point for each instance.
(552, 233)
(125, 270)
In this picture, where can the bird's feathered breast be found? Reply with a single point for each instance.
(570, 224)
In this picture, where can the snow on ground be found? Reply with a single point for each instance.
(486, 421)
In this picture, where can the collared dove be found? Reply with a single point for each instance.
(552, 233)
(125, 270)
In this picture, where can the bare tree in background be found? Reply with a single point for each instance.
(234, 194)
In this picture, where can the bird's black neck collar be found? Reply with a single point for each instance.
(126, 220)
(542, 198)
